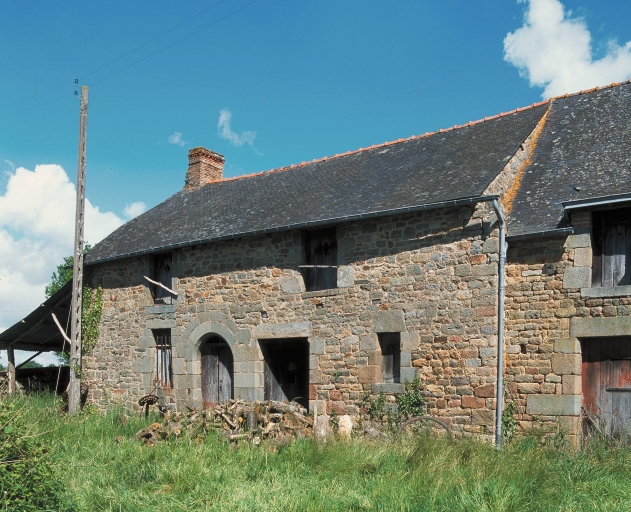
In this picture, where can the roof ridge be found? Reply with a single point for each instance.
(422, 136)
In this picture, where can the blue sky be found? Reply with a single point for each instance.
(295, 80)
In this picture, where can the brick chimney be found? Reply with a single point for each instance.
(204, 166)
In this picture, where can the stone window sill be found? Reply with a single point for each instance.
(332, 292)
(389, 388)
(602, 292)
(160, 309)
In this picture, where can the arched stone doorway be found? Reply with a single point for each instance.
(217, 371)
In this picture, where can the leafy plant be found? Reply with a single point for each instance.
(376, 408)
(91, 312)
(411, 402)
(509, 423)
(63, 274)
(335, 421)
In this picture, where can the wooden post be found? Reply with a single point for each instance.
(74, 388)
(11, 369)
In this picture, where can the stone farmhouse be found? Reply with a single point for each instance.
(346, 276)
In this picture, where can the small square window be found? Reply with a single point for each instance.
(320, 270)
(390, 344)
(163, 368)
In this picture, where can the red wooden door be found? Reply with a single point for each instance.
(607, 382)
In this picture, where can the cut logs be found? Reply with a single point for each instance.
(236, 420)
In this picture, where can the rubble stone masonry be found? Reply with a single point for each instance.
(431, 275)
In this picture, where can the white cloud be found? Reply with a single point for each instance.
(554, 51)
(176, 138)
(36, 233)
(134, 209)
(225, 130)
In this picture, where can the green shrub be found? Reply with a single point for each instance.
(28, 481)
(411, 402)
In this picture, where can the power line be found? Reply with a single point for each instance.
(113, 61)
(152, 40)
(67, 95)
(174, 43)
(36, 95)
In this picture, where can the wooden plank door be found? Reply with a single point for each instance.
(390, 344)
(162, 274)
(224, 373)
(607, 382)
(217, 373)
(321, 247)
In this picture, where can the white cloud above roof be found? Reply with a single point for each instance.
(554, 51)
(225, 130)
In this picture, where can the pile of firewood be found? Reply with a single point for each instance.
(236, 420)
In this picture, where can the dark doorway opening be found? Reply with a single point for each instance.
(217, 371)
(286, 370)
(606, 383)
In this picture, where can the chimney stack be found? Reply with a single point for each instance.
(204, 166)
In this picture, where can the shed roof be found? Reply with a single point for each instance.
(443, 166)
(37, 331)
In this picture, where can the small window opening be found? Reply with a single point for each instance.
(390, 344)
(611, 247)
(162, 264)
(320, 270)
(164, 372)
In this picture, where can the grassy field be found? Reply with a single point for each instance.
(93, 472)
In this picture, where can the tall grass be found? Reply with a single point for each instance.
(101, 474)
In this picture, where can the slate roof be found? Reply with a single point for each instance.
(583, 151)
(447, 165)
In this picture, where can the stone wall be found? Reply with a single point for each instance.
(432, 276)
(550, 306)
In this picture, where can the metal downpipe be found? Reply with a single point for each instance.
(499, 387)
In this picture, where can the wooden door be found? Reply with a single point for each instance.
(321, 268)
(217, 372)
(390, 344)
(286, 370)
(607, 382)
(611, 248)
(162, 274)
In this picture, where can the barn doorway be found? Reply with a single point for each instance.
(606, 384)
(286, 370)
(217, 371)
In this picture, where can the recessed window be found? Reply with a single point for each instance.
(320, 270)
(611, 248)
(162, 264)
(163, 368)
(390, 344)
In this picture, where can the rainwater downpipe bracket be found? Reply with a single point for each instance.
(501, 286)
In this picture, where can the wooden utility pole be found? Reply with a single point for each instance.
(11, 369)
(74, 388)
